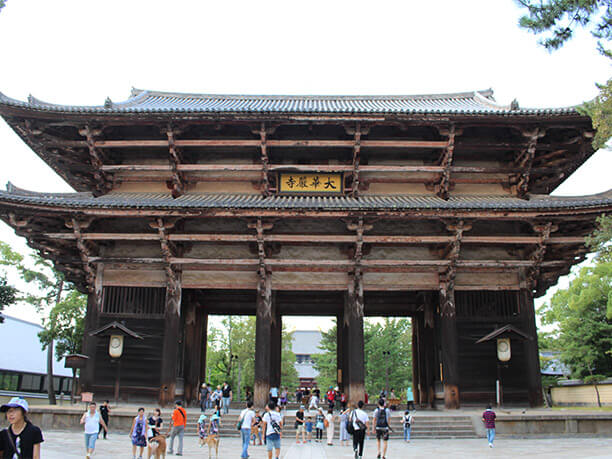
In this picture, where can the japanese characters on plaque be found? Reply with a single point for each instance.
(310, 183)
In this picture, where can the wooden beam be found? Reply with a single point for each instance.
(84, 253)
(525, 160)
(356, 160)
(178, 181)
(446, 161)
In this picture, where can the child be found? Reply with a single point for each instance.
(202, 429)
(309, 428)
(256, 428)
(407, 423)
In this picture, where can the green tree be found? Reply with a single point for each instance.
(8, 295)
(392, 336)
(51, 294)
(555, 21)
(2, 4)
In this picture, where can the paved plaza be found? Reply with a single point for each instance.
(66, 445)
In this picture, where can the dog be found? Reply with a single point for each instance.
(213, 441)
(160, 451)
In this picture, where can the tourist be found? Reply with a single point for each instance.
(380, 423)
(488, 417)
(274, 395)
(226, 393)
(407, 420)
(314, 402)
(299, 425)
(409, 398)
(331, 396)
(214, 435)
(329, 426)
(216, 397)
(272, 426)
(93, 422)
(256, 428)
(298, 395)
(344, 435)
(202, 429)
(204, 397)
(309, 426)
(21, 438)
(248, 394)
(343, 401)
(155, 440)
(284, 398)
(245, 421)
(179, 421)
(319, 425)
(359, 418)
(104, 412)
(138, 433)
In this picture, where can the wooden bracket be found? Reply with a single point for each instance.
(356, 160)
(168, 251)
(524, 160)
(178, 179)
(84, 251)
(446, 161)
(537, 257)
(104, 182)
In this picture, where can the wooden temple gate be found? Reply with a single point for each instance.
(433, 207)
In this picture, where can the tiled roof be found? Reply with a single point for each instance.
(121, 200)
(143, 101)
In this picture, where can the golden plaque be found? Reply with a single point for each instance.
(310, 183)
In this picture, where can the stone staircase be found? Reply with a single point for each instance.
(427, 426)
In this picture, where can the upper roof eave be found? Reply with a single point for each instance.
(144, 102)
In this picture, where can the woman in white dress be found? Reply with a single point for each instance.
(329, 421)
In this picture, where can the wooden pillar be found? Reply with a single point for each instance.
(263, 341)
(341, 370)
(170, 348)
(449, 345)
(530, 346)
(194, 350)
(353, 320)
(204, 320)
(92, 322)
(428, 341)
(416, 363)
(276, 331)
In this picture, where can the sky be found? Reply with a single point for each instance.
(80, 52)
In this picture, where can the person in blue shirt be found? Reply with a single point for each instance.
(309, 428)
(409, 399)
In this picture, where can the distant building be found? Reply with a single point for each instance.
(23, 364)
(305, 344)
(551, 364)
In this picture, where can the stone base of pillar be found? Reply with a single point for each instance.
(167, 395)
(261, 393)
(356, 392)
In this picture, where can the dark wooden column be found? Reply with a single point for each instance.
(353, 320)
(428, 341)
(194, 350)
(532, 355)
(92, 322)
(276, 331)
(204, 320)
(341, 357)
(263, 341)
(416, 360)
(449, 343)
(170, 348)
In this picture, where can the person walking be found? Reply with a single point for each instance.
(104, 412)
(407, 420)
(21, 439)
(256, 428)
(202, 429)
(299, 425)
(409, 398)
(246, 421)
(179, 421)
(204, 397)
(381, 425)
(319, 425)
(344, 435)
(488, 417)
(226, 394)
(138, 433)
(215, 399)
(272, 427)
(93, 424)
(314, 402)
(330, 396)
(329, 426)
(359, 418)
(274, 395)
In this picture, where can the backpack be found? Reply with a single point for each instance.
(381, 419)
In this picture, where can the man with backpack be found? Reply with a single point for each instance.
(381, 424)
(272, 427)
(357, 427)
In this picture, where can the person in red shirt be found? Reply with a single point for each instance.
(331, 395)
(488, 417)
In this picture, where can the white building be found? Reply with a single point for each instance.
(305, 344)
(23, 363)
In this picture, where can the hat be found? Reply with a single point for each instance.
(214, 416)
(15, 402)
(202, 418)
(302, 407)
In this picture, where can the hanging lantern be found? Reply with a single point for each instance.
(115, 346)
(503, 349)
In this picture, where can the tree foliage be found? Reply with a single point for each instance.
(582, 313)
(555, 21)
(236, 337)
(8, 295)
(2, 4)
(392, 336)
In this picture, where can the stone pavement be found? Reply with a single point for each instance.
(67, 445)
